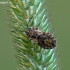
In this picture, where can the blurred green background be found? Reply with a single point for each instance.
(60, 18)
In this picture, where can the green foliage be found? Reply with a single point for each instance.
(25, 14)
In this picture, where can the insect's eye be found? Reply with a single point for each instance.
(30, 28)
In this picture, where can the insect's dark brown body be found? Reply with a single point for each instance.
(43, 39)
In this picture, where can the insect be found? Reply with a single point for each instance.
(43, 39)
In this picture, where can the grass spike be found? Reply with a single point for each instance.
(23, 15)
